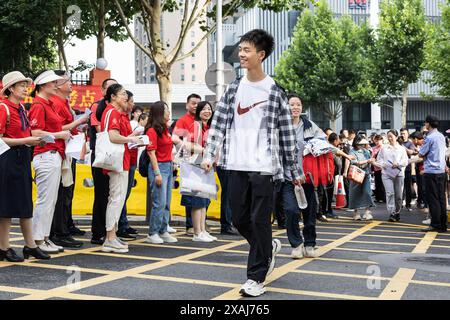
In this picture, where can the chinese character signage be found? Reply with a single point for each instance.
(357, 4)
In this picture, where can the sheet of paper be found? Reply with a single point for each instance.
(3, 147)
(145, 142)
(48, 139)
(75, 145)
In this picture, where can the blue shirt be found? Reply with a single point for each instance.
(434, 151)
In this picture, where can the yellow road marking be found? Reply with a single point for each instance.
(400, 281)
(319, 294)
(367, 250)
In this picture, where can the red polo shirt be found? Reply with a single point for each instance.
(62, 107)
(183, 125)
(118, 121)
(14, 130)
(163, 145)
(203, 135)
(43, 116)
(94, 120)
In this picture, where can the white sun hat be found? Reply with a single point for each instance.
(46, 77)
(12, 78)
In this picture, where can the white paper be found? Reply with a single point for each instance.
(145, 142)
(74, 146)
(3, 147)
(48, 139)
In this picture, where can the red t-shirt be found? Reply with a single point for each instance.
(62, 107)
(118, 121)
(94, 120)
(43, 116)
(193, 133)
(14, 129)
(183, 125)
(163, 145)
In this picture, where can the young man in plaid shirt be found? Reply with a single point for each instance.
(252, 129)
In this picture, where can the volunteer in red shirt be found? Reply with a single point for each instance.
(180, 132)
(15, 168)
(62, 219)
(115, 120)
(160, 176)
(45, 122)
(101, 181)
(197, 135)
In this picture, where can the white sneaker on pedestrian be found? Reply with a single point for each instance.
(297, 253)
(367, 215)
(356, 215)
(252, 289)
(210, 236)
(301, 224)
(114, 246)
(168, 238)
(310, 252)
(122, 242)
(427, 221)
(276, 247)
(47, 248)
(201, 238)
(171, 230)
(155, 239)
(50, 242)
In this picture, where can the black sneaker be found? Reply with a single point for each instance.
(392, 218)
(67, 242)
(74, 231)
(125, 236)
(229, 232)
(98, 241)
(131, 230)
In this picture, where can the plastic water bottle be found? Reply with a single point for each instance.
(301, 198)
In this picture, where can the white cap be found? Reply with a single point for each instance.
(46, 77)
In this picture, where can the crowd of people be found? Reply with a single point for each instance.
(267, 154)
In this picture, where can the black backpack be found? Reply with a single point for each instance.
(144, 162)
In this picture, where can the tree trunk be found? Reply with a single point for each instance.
(165, 87)
(60, 41)
(333, 124)
(101, 31)
(404, 104)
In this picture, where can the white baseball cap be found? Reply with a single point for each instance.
(46, 77)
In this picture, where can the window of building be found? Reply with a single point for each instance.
(192, 34)
(152, 79)
(182, 77)
(192, 44)
(193, 66)
(193, 55)
(152, 68)
(182, 66)
(193, 77)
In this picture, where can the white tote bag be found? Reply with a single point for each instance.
(194, 181)
(108, 155)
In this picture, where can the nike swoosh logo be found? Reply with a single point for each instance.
(242, 111)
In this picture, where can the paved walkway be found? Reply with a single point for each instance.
(346, 268)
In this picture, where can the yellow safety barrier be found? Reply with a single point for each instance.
(136, 204)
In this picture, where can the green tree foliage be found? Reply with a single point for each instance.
(438, 54)
(327, 62)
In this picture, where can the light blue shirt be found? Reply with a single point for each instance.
(434, 151)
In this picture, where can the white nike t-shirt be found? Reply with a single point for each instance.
(249, 150)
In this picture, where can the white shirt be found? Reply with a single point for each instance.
(389, 155)
(249, 149)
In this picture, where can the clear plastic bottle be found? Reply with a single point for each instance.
(301, 198)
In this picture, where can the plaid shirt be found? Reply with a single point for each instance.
(280, 131)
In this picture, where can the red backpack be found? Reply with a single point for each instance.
(321, 168)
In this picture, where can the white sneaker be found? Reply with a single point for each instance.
(301, 224)
(310, 252)
(252, 289)
(155, 239)
(356, 215)
(168, 238)
(297, 253)
(210, 236)
(276, 247)
(47, 248)
(122, 242)
(201, 238)
(427, 221)
(59, 248)
(367, 215)
(114, 246)
(171, 230)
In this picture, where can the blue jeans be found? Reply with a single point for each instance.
(292, 211)
(225, 208)
(161, 198)
(123, 221)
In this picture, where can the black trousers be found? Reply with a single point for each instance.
(278, 208)
(101, 194)
(420, 180)
(225, 209)
(437, 203)
(326, 199)
(62, 219)
(251, 198)
(380, 193)
(407, 188)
